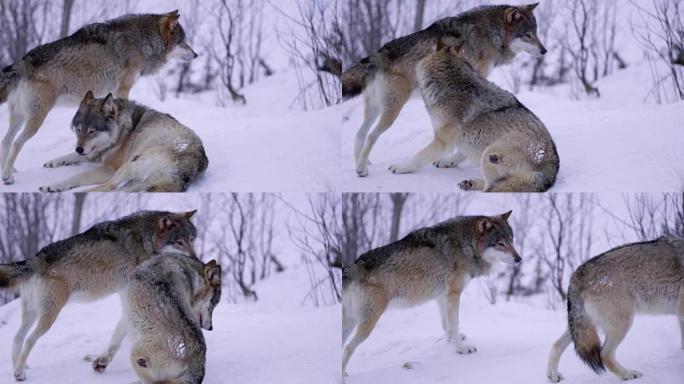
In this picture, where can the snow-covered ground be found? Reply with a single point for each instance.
(615, 143)
(513, 340)
(275, 340)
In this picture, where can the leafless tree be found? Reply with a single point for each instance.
(661, 33)
(398, 201)
(79, 201)
(25, 24)
(67, 6)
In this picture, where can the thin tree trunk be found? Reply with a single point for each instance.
(398, 201)
(420, 13)
(66, 17)
(79, 201)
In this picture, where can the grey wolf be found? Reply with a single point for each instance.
(434, 263)
(90, 266)
(168, 303)
(485, 123)
(388, 77)
(608, 290)
(141, 150)
(102, 57)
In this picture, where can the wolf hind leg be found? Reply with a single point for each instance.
(348, 321)
(371, 113)
(51, 307)
(34, 122)
(28, 317)
(619, 324)
(681, 317)
(393, 99)
(554, 357)
(16, 120)
(371, 311)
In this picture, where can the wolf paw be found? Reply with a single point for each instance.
(100, 364)
(466, 185)
(629, 375)
(554, 377)
(465, 348)
(20, 375)
(50, 189)
(400, 169)
(55, 163)
(445, 164)
(8, 178)
(362, 171)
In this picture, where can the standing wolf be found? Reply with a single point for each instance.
(141, 150)
(388, 77)
(102, 57)
(432, 263)
(487, 124)
(607, 291)
(90, 266)
(168, 303)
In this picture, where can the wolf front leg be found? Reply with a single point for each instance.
(101, 362)
(95, 176)
(681, 316)
(554, 357)
(69, 159)
(453, 303)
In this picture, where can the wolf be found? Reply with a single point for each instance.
(168, 302)
(487, 124)
(141, 150)
(87, 267)
(608, 290)
(102, 57)
(388, 77)
(434, 263)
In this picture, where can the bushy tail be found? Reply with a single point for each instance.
(9, 78)
(583, 332)
(357, 78)
(14, 273)
(350, 274)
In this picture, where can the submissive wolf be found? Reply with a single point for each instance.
(141, 150)
(484, 123)
(608, 290)
(169, 300)
(434, 263)
(89, 266)
(102, 57)
(387, 77)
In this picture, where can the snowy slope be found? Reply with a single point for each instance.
(263, 146)
(272, 341)
(616, 143)
(513, 341)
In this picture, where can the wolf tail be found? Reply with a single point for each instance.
(357, 78)
(350, 274)
(9, 78)
(583, 332)
(13, 274)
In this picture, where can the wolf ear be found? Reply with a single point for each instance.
(212, 272)
(531, 7)
(189, 214)
(505, 216)
(88, 97)
(484, 225)
(108, 105)
(440, 44)
(165, 223)
(512, 14)
(170, 20)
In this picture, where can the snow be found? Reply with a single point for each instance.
(616, 143)
(273, 340)
(513, 340)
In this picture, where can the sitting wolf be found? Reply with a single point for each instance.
(90, 266)
(141, 150)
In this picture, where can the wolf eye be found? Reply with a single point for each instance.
(192, 239)
(500, 244)
(180, 242)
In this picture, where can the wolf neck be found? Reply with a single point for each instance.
(131, 115)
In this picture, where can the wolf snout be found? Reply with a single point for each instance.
(79, 150)
(517, 259)
(543, 50)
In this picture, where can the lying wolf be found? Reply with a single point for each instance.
(102, 57)
(141, 150)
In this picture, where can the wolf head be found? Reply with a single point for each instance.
(208, 297)
(173, 34)
(175, 234)
(495, 240)
(520, 28)
(95, 125)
